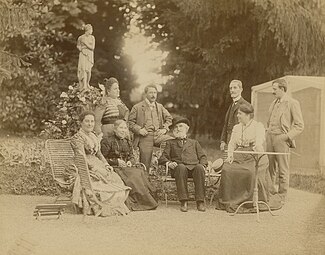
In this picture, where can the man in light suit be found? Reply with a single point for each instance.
(186, 159)
(284, 124)
(149, 121)
(235, 89)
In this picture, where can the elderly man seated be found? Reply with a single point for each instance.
(185, 158)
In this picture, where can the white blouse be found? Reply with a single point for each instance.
(251, 134)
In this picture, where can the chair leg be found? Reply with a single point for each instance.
(212, 196)
(166, 198)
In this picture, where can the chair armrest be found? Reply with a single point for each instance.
(62, 182)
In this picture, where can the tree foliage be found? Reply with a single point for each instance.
(40, 57)
(212, 42)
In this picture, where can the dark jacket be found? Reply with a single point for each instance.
(114, 148)
(190, 153)
(232, 118)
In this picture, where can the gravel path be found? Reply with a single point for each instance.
(299, 228)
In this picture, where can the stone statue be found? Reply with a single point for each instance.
(86, 46)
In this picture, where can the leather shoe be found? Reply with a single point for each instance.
(184, 206)
(200, 206)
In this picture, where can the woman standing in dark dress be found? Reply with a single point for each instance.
(118, 151)
(238, 173)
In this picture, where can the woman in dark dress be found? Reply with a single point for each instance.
(238, 173)
(118, 151)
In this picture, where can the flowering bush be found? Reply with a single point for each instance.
(68, 107)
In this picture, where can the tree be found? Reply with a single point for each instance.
(40, 58)
(212, 42)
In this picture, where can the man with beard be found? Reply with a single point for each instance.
(149, 121)
(235, 89)
(185, 158)
(284, 124)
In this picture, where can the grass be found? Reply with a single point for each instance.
(314, 184)
(24, 168)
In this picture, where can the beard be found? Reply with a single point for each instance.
(179, 134)
(122, 134)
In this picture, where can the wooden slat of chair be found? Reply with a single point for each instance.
(48, 210)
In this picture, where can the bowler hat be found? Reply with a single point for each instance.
(180, 119)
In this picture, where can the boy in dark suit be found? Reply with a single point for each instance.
(185, 158)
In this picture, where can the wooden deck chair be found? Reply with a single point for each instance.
(87, 189)
(60, 155)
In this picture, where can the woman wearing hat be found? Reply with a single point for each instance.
(111, 109)
(238, 173)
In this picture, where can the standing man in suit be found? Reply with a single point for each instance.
(284, 124)
(235, 89)
(149, 121)
(186, 159)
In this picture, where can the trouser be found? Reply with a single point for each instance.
(146, 144)
(273, 144)
(181, 174)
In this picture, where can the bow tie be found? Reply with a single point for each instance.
(182, 140)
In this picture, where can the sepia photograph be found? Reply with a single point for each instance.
(159, 127)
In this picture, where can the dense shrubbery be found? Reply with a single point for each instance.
(24, 168)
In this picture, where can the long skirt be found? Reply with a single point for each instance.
(238, 180)
(141, 196)
(107, 186)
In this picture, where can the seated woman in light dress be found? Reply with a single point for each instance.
(238, 173)
(103, 177)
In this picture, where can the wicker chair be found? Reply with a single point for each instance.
(60, 155)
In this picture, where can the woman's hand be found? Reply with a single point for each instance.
(172, 165)
(121, 163)
(109, 168)
(230, 159)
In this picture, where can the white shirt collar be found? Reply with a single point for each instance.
(236, 99)
(284, 98)
(149, 103)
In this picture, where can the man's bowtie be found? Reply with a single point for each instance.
(182, 140)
